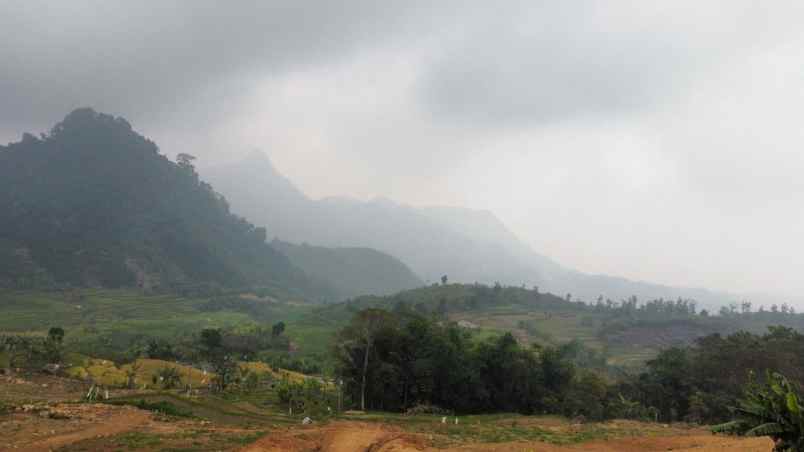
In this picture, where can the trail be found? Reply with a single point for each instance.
(119, 422)
(339, 437)
(371, 437)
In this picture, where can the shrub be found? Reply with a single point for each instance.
(161, 407)
(169, 377)
(426, 409)
(770, 409)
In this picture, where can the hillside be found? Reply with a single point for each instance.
(94, 203)
(350, 272)
(622, 334)
(467, 245)
(111, 323)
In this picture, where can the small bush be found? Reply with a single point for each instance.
(426, 409)
(169, 377)
(161, 407)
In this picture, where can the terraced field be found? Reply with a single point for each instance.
(119, 315)
(630, 348)
(113, 318)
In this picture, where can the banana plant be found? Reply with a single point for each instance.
(772, 408)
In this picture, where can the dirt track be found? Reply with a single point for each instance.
(367, 437)
(87, 421)
(339, 437)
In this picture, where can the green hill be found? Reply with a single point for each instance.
(626, 333)
(350, 272)
(94, 204)
(110, 322)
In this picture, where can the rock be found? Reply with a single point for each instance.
(58, 414)
(307, 421)
(52, 369)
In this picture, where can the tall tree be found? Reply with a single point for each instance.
(358, 340)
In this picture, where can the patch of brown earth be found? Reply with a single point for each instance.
(339, 437)
(369, 437)
(61, 425)
(36, 388)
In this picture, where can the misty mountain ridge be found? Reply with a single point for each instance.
(468, 245)
(94, 204)
(350, 271)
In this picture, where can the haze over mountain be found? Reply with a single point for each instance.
(659, 141)
(464, 244)
(350, 271)
(94, 204)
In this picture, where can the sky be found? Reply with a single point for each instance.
(658, 141)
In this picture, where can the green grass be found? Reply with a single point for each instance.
(125, 314)
(115, 317)
(138, 440)
(182, 441)
(552, 328)
(506, 427)
(161, 407)
(258, 410)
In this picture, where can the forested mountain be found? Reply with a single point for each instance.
(467, 245)
(94, 203)
(350, 272)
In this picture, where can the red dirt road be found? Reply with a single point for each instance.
(369, 437)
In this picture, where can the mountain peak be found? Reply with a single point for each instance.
(86, 117)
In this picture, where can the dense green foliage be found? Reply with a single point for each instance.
(309, 397)
(772, 408)
(627, 328)
(698, 383)
(443, 299)
(396, 360)
(401, 360)
(30, 352)
(350, 272)
(93, 203)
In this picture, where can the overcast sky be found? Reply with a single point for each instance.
(654, 140)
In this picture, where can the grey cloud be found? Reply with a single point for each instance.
(148, 59)
(590, 127)
(567, 60)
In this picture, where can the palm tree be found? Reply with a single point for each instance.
(770, 409)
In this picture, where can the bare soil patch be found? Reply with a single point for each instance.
(63, 424)
(377, 437)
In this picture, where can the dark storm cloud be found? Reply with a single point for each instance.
(148, 59)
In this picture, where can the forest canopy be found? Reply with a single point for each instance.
(94, 203)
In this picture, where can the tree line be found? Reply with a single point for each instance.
(401, 360)
(398, 360)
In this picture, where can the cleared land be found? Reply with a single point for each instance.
(47, 416)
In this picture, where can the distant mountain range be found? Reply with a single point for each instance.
(94, 204)
(464, 244)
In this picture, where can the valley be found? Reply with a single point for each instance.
(139, 310)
